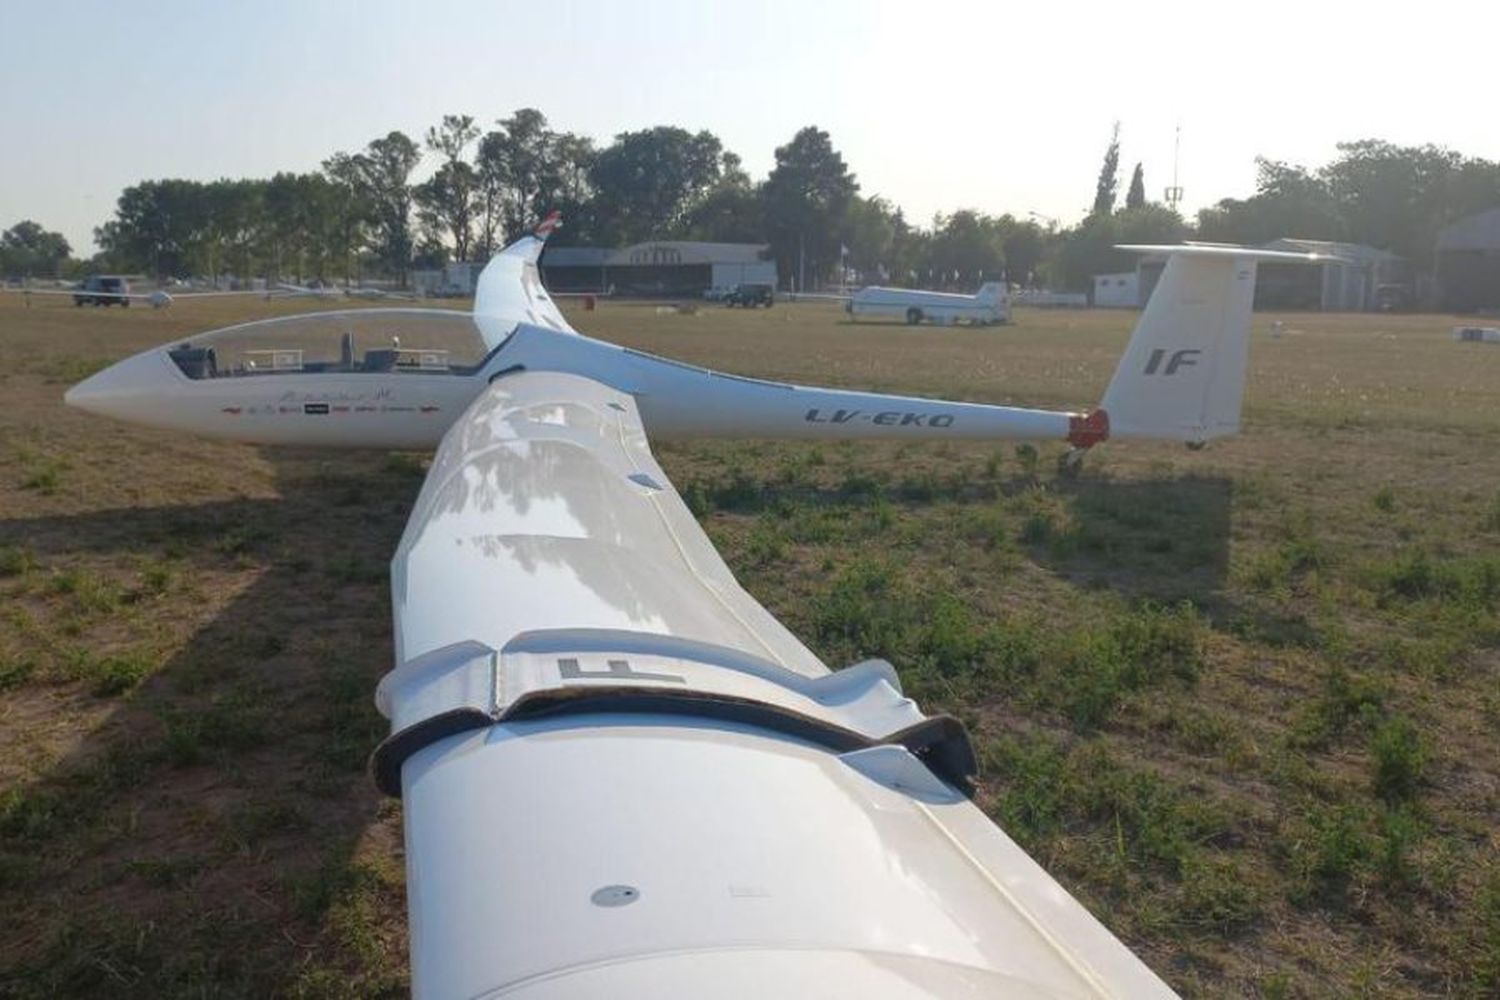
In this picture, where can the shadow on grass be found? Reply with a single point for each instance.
(1160, 540)
(1164, 540)
(215, 833)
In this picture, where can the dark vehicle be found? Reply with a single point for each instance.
(1392, 298)
(102, 290)
(751, 296)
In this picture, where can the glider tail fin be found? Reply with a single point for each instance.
(1182, 376)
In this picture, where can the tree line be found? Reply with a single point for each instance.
(362, 214)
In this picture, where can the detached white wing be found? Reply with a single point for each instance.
(510, 288)
(623, 777)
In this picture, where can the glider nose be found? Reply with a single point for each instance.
(128, 390)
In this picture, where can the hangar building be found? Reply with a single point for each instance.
(664, 269)
(1360, 279)
(1468, 263)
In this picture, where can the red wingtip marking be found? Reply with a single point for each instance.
(1088, 430)
(551, 222)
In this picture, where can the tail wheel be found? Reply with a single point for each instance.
(913, 316)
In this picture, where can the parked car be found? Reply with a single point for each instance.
(1392, 298)
(751, 296)
(102, 290)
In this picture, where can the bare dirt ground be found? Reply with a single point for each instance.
(1243, 701)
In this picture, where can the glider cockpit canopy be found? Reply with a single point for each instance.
(345, 342)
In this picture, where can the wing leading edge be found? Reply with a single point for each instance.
(621, 774)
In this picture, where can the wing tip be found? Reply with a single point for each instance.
(546, 226)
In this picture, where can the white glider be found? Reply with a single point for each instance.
(990, 305)
(159, 298)
(288, 290)
(621, 775)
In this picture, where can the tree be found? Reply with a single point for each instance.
(385, 170)
(1136, 196)
(27, 249)
(282, 234)
(1149, 224)
(807, 197)
(447, 200)
(647, 183)
(525, 169)
(870, 234)
(350, 209)
(1289, 201)
(156, 227)
(731, 212)
(1024, 246)
(567, 187)
(1398, 197)
(967, 249)
(1109, 176)
(1088, 249)
(911, 249)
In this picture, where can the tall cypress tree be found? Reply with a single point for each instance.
(1136, 196)
(1109, 176)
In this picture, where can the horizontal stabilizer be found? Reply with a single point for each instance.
(1224, 251)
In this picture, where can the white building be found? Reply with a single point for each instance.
(1117, 291)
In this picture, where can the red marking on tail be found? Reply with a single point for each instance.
(1088, 430)
(551, 222)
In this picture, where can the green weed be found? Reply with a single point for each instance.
(16, 560)
(15, 670)
(105, 676)
(44, 475)
(1028, 458)
(1325, 852)
(1345, 697)
(1217, 896)
(1399, 755)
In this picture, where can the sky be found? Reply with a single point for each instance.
(934, 105)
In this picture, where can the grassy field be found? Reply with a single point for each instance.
(1243, 702)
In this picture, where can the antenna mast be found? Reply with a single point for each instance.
(1174, 193)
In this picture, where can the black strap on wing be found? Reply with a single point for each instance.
(940, 742)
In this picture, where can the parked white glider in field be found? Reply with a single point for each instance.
(288, 290)
(159, 298)
(621, 775)
(988, 306)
